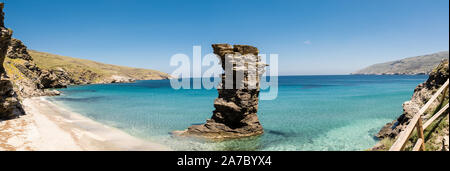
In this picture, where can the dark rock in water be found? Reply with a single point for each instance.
(235, 113)
(10, 106)
(422, 94)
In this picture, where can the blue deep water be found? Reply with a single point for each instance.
(310, 112)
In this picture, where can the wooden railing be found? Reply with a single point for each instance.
(416, 122)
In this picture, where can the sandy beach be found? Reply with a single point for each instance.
(48, 127)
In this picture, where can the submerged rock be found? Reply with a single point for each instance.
(236, 108)
(419, 65)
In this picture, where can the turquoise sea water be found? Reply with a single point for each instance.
(310, 113)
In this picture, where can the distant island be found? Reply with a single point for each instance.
(419, 65)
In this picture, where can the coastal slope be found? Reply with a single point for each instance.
(409, 66)
(10, 106)
(91, 72)
(437, 135)
(26, 73)
(61, 71)
(33, 72)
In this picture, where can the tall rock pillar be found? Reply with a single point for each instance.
(236, 108)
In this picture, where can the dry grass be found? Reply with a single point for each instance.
(80, 67)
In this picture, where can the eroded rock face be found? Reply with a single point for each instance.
(5, 38)
(17, 50)
(235, 113)
(10, 106)
(57, 78)
(28, 78)
(422, 94)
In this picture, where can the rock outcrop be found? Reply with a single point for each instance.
(422, 94)
(18, 50)
(29, 79)
(57, 78)
(10, 106)
(5, 38)
(22, 76)
(235, 113)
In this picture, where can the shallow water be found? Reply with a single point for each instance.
(310, 113)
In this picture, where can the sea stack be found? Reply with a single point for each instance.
(235, 114)
(10, 106)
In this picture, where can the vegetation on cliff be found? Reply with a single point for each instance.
(33, 72)
(436, 135)
(236, 108)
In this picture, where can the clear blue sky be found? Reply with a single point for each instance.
(311, 36)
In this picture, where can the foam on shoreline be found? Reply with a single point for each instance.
(48, 126)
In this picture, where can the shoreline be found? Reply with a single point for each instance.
(49, 127)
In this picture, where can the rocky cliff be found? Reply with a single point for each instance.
(409, 66)
(29, 79)
(10, 106)
(236, 108)
(27, 73)
(422, 94)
